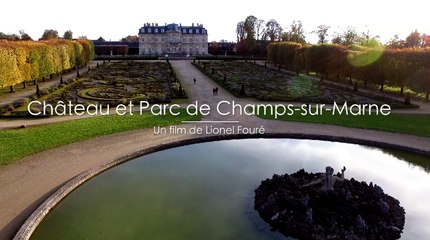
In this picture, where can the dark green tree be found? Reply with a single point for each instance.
(25, 36)
(249, 25)
(49, 34)
(130, 38)
(10, 37)
(68, 35)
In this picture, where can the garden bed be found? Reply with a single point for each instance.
(248, 79)
(112, 83)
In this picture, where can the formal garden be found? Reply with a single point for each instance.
(110, 83)
(120, 82)
(249, 79)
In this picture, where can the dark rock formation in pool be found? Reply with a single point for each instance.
(352, 210)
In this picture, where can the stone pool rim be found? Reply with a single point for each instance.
(26, 230)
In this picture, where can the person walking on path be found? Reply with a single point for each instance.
(194, 80)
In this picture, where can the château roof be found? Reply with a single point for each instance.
(154, 28)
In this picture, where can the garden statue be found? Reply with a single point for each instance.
(328, 179)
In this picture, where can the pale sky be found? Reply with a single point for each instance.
(116, 19)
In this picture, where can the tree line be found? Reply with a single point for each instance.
(48, 34)
(408, 67)
(253, 36)
(22, 61)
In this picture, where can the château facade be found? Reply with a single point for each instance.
(173, 39)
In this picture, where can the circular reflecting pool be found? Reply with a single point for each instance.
(205, 191)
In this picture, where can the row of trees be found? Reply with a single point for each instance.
(254, 29)
(22, 61)
(409, 67)
(414, 40)
(254, 34)
(48, 34)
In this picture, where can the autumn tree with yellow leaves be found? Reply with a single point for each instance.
(22, 61)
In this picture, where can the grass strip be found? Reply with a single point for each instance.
(417, 124)
(18, 143)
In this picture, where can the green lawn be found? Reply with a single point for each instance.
(405, 123)
(18, 143)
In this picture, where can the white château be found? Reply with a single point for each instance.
(173, 39)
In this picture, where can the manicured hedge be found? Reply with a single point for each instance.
(27, 60)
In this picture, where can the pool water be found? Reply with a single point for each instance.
(205, 191)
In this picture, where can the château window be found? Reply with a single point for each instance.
(190, 30)
(156, 30)
(162, 30)
(149, 30)
(197, 30)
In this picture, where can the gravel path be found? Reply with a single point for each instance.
(25, 184)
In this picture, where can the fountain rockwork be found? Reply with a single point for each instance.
(352, 210)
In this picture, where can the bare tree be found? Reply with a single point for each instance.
(296, 33)
(350, 36)
(322, 32)
(259, 28)
(396, 42)
(273, 30)
(337, 38)
(240, 31)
